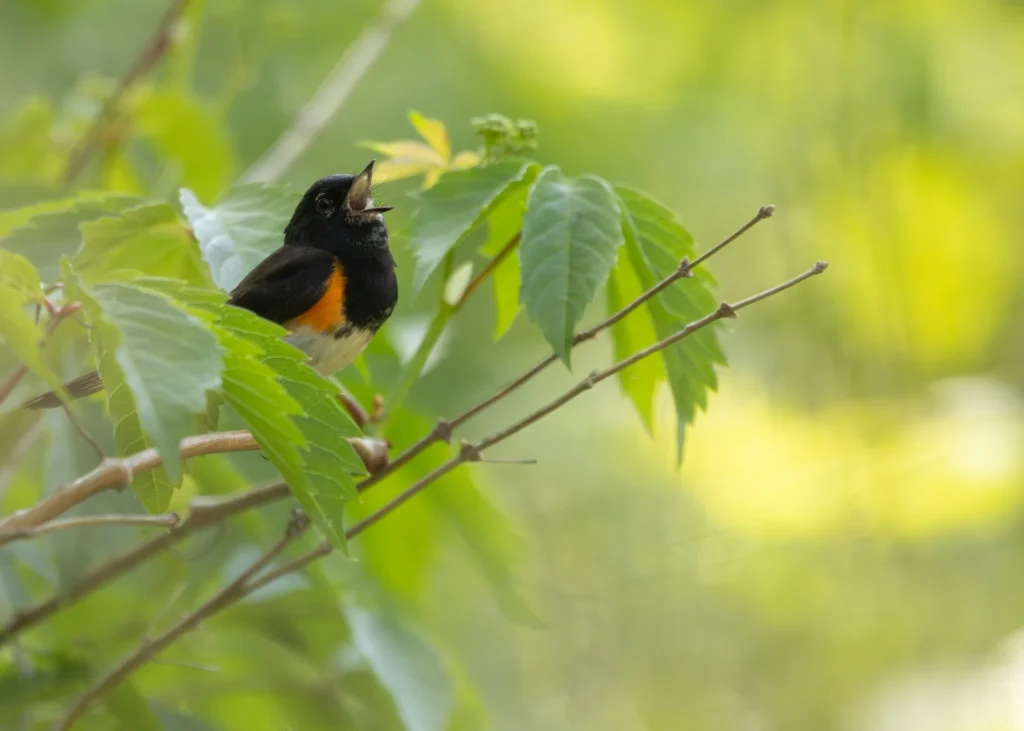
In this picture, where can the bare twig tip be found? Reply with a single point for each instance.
(765, 211)
(820, 267)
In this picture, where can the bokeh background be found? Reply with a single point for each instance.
(842, 546)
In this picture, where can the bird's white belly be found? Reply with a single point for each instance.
(327, 353)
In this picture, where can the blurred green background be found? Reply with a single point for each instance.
(842, 546)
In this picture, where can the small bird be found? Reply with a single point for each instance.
(331, 285)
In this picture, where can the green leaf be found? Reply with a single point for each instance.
(655, 242)
(192, 140)
(633, 333)
(49, 236)
(241, 230)
(571, 236)
(169, 359)
(19, 287)
(147, 239)
(18, 273)
(154, 487)
(504, 223)
(453, 207)
(407, 666)
(292, 410)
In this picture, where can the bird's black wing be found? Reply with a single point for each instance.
(286, 284)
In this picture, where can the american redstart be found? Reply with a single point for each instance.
(332, 284)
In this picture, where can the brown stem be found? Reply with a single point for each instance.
(115, 474)
(486, 271)
(231, 593)
(169, 521)
(158, 45)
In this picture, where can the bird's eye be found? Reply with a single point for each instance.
(324, 205)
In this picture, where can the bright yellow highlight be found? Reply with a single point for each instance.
(766, 469)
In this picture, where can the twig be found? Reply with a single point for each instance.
(443, 430)
(169, 520)
(468, 453)
(234, 591)
(335, 89)
(203, 513)
(83, 432)
(151, 53)
(489, 267)
(115, 474)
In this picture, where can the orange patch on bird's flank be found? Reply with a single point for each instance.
(326, 315)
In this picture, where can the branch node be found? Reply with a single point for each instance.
(444, 430)
(173, 520)
(726, 310)
(685, 270)
(765, 212)
(820, 266)
(588, 383)
(469, 453)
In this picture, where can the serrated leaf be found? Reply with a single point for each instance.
(169, 359)
(294, 415)
(571, 237)
(241, 230)
(434, 132)
(654, 240)
(153, 487)
(504, 223)
(191, 138)
(407, 666)
(49, 236)
(147, 239)
(633, 333)
(453, 207)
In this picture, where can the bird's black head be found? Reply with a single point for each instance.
(337, 214)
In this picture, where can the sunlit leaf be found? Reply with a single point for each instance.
(455, 206)
(434, 132)
(571, 236)
(18, 273)
(654, 241)
(503, 224)
(631, 334)
(241, 230)
(407, 666)
(23, 336)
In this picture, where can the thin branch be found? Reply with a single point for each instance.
(443, 431)
(468, 453)
(489, 267)
(168, 521)
(155, 49)
(231, 593)
(115, 474)
(203, 513)
(82, 431)
(335, 89)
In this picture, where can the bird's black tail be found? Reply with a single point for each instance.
(85, 385)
